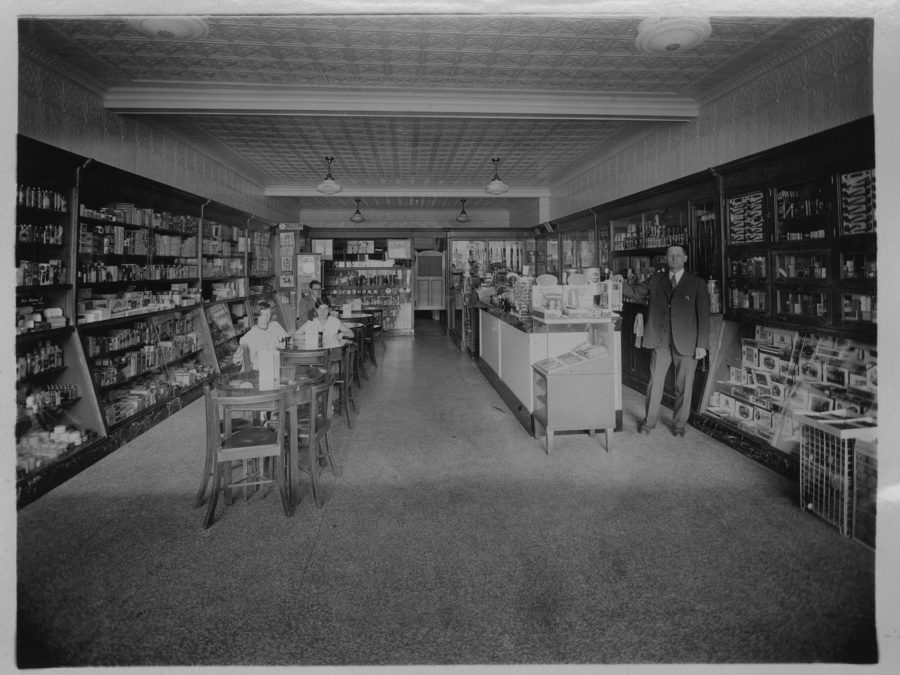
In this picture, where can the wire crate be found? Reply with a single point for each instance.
(827, 463)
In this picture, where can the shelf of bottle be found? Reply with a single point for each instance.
(40, 374)
(362, 286)
(56, 410)
(740, 280)
(804, 222)
(22, 247)
(118, 285)
(44, 334)
(116, 352)
(89, 220)
(52, 464)
(90, 326)
(177, 233)
(224, 278)
(133, 257)
(131, 378)
(21, 208)
(367, 267)
(237, 298)
(223, 255)
(160, 404)
(644, 250)
(43, 288)
(803, 283)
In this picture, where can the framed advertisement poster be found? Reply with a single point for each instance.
(399, 249)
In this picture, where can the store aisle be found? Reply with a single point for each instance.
(451, 538)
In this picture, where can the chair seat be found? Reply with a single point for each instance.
(251, 436)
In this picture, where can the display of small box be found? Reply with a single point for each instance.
(764, 335)
(762, 418)
(749, 353)
(769, 359)
(727, 404)
(783, 339)
(611, 295)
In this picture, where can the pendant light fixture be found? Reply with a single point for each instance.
(463, 217)
(329, 186)
(496, 186)
(358, 217)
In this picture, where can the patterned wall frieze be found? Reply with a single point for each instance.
(60, 111)
(828, 84)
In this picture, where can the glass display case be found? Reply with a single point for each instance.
(768, 377)
(579, 249)
(802, 210)
(145, 360)
(574, 376)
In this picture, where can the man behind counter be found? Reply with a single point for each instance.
(677, 332)
(306, 308)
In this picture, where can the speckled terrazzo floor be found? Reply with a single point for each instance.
(451, 538)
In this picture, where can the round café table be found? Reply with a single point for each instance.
(298, 388)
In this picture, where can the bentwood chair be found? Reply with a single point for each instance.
(377, 325)
(344, 381)
(314, 423)
(250, 445)
(212, 441)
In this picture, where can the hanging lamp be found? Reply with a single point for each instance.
(329, 186)
(463, 217)
(358, 217)
(496, 186)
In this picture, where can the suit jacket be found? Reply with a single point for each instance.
(685, 309)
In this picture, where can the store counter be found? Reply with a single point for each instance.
(508, 346)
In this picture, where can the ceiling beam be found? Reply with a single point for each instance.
(234, 100)
(450, 193)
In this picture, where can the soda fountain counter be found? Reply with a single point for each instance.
(510, 346)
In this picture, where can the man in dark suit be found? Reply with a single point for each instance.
(677, 330)
(306, 308)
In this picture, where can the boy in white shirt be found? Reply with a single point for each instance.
(323, 331)
(265, 335)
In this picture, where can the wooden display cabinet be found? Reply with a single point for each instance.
(804, 213)
(145, 361)
(683, 213)
(574, 380)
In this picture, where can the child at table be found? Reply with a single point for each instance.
(265, 335)
(322, 331)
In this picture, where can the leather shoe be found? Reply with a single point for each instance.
(644, 429)
(678, 432)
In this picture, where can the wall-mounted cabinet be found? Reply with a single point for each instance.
(801, 269)
(111, 336)
(801, 233)
(361, 271)
(683, 213)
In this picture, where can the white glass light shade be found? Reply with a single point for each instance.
(463, 217)
(358, 217)
(496, 186)
(329, 186)
(667, 35)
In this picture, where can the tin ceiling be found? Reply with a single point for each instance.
(411, 107)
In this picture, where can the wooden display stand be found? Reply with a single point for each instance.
(575, 386)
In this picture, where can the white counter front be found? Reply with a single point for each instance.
(510, 352)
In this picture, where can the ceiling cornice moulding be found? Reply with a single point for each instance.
(447, 193)
(168, 99)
